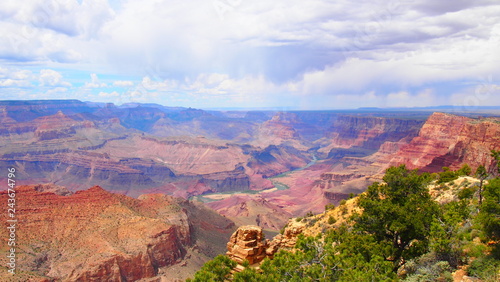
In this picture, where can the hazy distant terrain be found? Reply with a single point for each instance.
(133, 149)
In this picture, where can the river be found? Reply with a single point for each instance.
(207, 198)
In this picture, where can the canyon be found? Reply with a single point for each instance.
(94, 235)
(170, 185)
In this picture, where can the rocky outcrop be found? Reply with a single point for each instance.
(94, 234)
(450, 140)
(247, 244)
(288, 239)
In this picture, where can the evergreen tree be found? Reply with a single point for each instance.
(482, 174)
(398, 213)
(489, 215)
(217, 269)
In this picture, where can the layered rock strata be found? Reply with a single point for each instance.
(248, 244)
(95, 235)
(450, 140)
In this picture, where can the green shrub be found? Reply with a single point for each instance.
(486, 268)
(309, 214)
(331, 220)
(447, 175)
(466, 193)
(329, 207)
(217, 269)
(428, 268)
(464, 170)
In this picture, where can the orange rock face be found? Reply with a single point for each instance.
(94, 235)
(247, 244)
(449, 140)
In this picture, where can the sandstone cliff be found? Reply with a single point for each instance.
(96, 235)
(450, 140)
(368, 133)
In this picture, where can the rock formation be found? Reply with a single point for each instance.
(248, 243)
(368, 133)
(450, 140)
(95, 235)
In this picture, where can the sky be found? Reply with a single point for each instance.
(289, 54)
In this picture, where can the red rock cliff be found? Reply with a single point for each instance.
(368, 132)
(94, 234)
(449, 140)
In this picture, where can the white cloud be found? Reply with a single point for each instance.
(94, 82)
(50, 77)
(15, 77)
(10, 83)
(123, 83)
(314, 51)
(150, 84)
(424, 98)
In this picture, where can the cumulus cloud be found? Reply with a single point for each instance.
(15, 77)
(307, 51)
(50, 77)
(94, 82)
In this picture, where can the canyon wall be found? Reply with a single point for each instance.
(366, 133)
(96, 235)
(450, 140)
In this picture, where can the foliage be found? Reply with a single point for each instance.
(447, 175)
(486, 268)
(445, 230)
(245, 263)
(398, 213)
(466, 193)
(428, 268)
(400, 225)
(331, 220)
(329, 207)
(464, 170)
(215, 270)
(482, 174)
(489, 215)
(338, 256)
